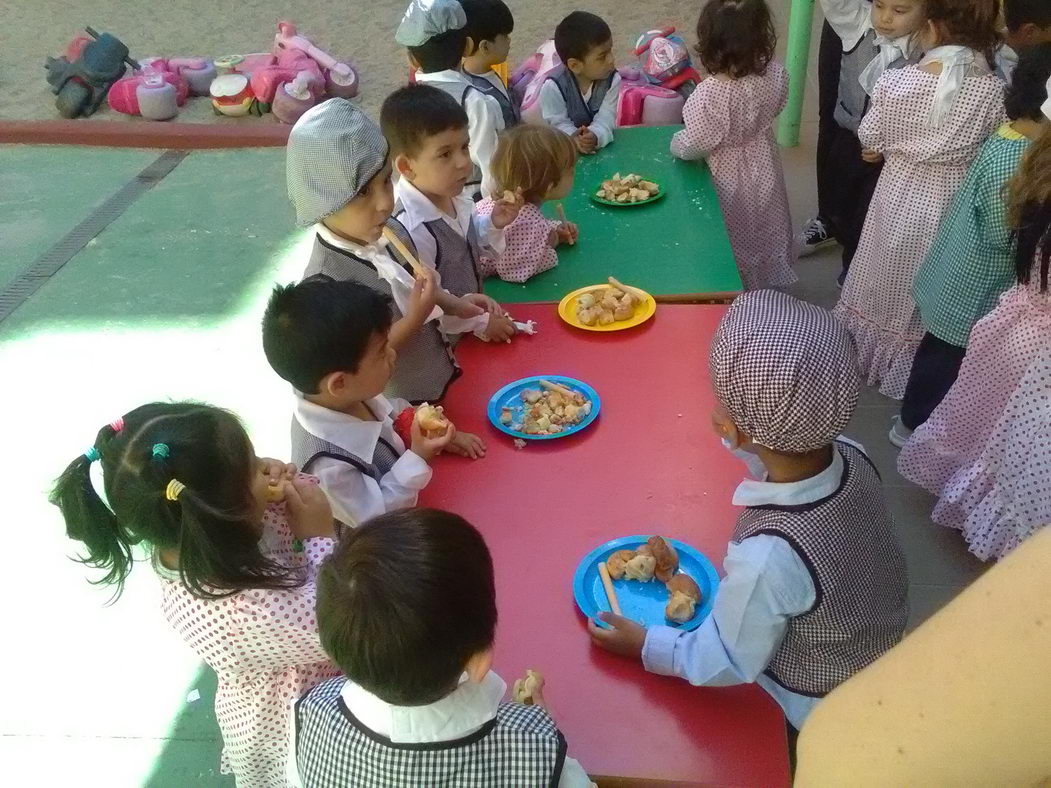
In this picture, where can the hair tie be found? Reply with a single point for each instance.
(174, 488)
(117, 424)
(93, 454)
(160, 450)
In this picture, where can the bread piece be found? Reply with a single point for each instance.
(432, 420)
(680, 608)
(667, 558)
(640, 568)
(528, 690)
(616, 562)
(684, 584)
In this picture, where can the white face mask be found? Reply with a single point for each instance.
(755, 466)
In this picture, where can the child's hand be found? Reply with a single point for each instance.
(486, 303)
(567, 233)
(626, 638)
(871, 156)
(278, 471)
(461, 307)
(585, 140)
(423, 296)
(429, 448)
(500, 329)
(467, 445)
(506, 210)
(309, 512)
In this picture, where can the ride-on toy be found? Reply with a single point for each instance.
(81, 78)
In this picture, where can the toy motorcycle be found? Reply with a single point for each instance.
(81, 78)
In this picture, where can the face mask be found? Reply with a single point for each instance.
(755, 466)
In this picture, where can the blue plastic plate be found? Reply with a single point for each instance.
(643, 602)
(509, 397)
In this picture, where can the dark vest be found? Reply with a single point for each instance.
(425, 365)
(308, 448)
(520, 748)
(848, 543)
(852, 101)
(457, 260)
(508, 106)
(581, 112)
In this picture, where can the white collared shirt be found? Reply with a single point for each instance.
(460, 713)
(484, 121)
(553, 108)
(355, 496)
(766, 584)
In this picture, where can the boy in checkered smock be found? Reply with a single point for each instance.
(815, 586)
(406, 608)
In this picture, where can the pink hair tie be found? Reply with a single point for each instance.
(117, 424)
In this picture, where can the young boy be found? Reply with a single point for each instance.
(330, 340)
(489, 27)
(580, 96)
(435, 33)
(406, 607)
(339, 181)
(427, 131)
(815, 585)
(875, 37)
(1028, 24)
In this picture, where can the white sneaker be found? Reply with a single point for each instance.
(814, 236)
(899, 434)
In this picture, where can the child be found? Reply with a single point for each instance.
(729, 120)
(1028, 24)
(972, 260)
(985, 449)
(339, 181)
(428, 136)
(435, 33)
(237, 573)
(875, 37)
(489, 28)
(536, 162)
(407, 609)
(815, 586)
(330, 340)
(580, 96)
(927, 121)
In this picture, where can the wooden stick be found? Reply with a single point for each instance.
(639, 295)
(565, 392)
(611, 594)
(403, 250)
(562, 218)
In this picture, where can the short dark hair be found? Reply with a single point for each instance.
(579, 33)
(735, 37)
(1028, 89)
(320, 326)
(413, 113)
(487, 19)
(441, 52)
(405, 601)
(1022, 12)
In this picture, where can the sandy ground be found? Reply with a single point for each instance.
(359, 31)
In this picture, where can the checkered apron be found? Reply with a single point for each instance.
(520, 748)
(848, 543)
(457, 258)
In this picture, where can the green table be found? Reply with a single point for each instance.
(675, 248)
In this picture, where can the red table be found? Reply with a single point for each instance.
(649, 464)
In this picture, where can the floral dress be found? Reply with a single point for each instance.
(730, 123)
(264, 646)
(527, 247)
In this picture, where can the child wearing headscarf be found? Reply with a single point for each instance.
(815, 586)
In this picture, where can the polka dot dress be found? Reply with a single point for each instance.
(264, 647)
(527, 250)
(924, 168)
(730, 123)
(986, 449)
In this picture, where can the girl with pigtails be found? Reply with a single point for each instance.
(236, 541)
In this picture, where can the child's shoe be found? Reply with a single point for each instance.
(899, 434)
(815, 236)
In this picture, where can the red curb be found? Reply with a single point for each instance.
(144, 134)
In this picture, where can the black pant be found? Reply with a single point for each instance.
(829, 56)
(933, 372)
(793, 740)
(850, 192)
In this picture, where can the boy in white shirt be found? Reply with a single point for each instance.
(489, 28)
(435, 33)
(331, 340)
(406, 607)
(580, 96)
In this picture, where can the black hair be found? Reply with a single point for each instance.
(413, 113)
(487, 19)
(441, 52)
(579, 33)
(1033, 239)
(1021, 12)
(211, 523)
(1028, 89)
(405, 601)
(319, 326)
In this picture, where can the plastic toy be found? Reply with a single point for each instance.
(293, 99)
(232, 96)
(82, 81)
(665, 60)
(123, 96)
(156, 97)
(643, 104)
(287, 40)
(197, 71)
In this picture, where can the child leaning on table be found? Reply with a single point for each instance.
(815, 586)
(331, 341)
(407, 609)
(537, 163)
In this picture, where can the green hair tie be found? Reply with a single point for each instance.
(160, 450)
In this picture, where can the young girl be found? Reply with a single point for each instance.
(237, 573)
(927, 121)
(986, 448)
(972, 260)
(536, 162)
(729, 120)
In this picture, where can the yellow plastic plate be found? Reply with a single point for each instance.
(567, 310)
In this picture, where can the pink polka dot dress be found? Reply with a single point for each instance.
(986, 449)
(263, 644)
(729, 122)
(527, 250)
(924, 168)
